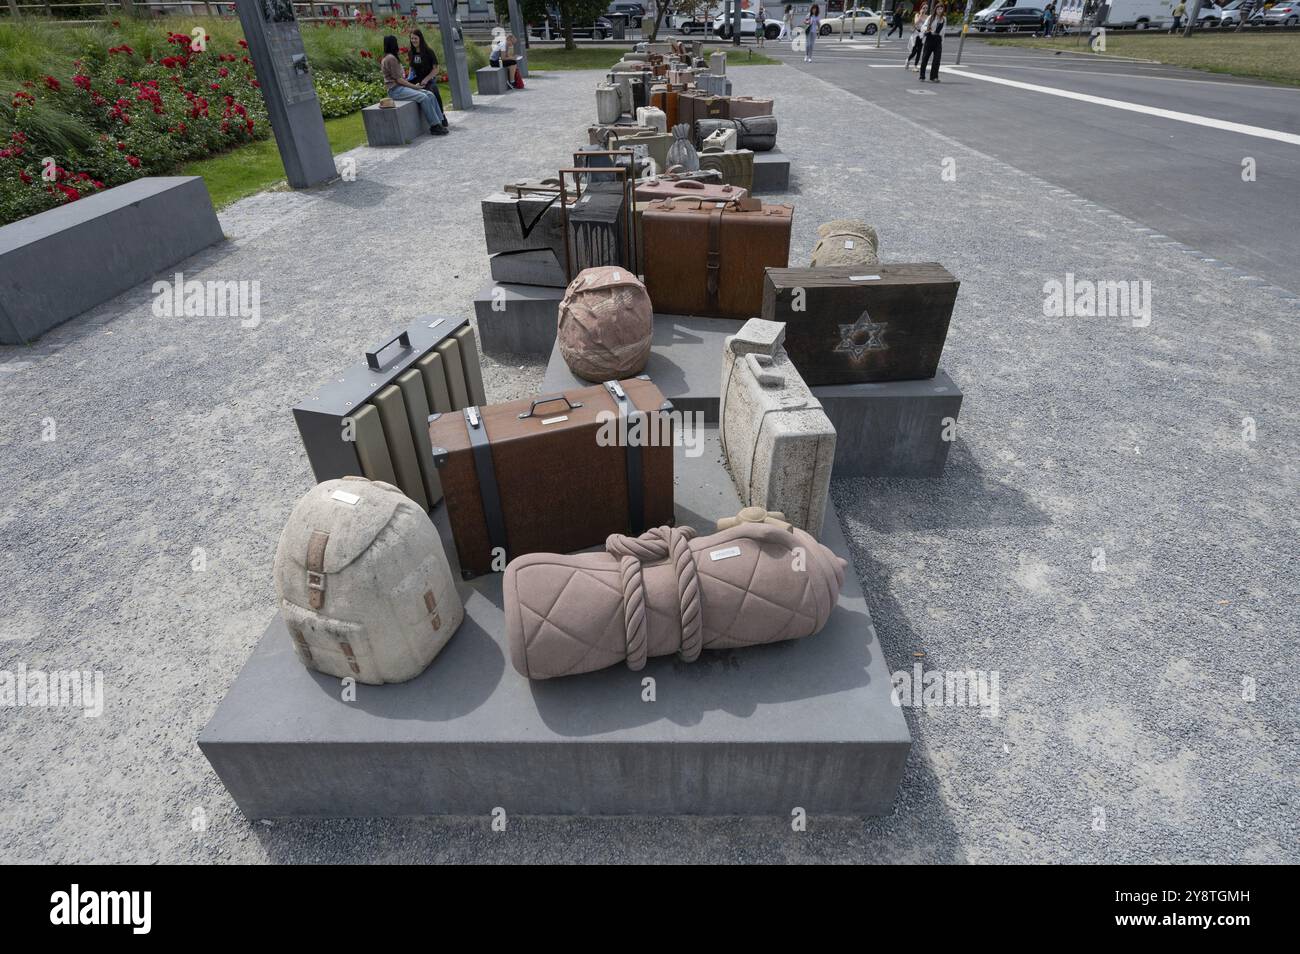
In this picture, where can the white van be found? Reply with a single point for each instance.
(1140, 14)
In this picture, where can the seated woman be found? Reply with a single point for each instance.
(400, 88)
(503, 54)
(424, 67)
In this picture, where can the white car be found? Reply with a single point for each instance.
(862, 20)
(748, 26)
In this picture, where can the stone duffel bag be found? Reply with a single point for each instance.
(606, 324)
(845, 242)
(364, 583)
(753, 132)
(757, 580)
(778, 442)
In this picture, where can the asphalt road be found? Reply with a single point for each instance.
(1181, 179)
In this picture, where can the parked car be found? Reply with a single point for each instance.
(1210, 16)
(634, 12)
(861, 20)
(748, 26)
(691, 24)
(1014, 20)
(983, 16)
(1283, 13)
(1230, 14)
(600, 29)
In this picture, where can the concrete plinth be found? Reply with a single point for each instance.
(517, 318)
(398, 126)
(806, 724)
(111, 240)
(894, 428)
(492, 81)
(685, 362)
(771, 172)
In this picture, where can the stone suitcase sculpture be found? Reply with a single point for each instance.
(515, 223)
(653, 117)
(608, 104)
(668, 591)
(720, 140)
(885, 323)
(371, 419)
(555, 473)
(736, 166)
(663, 187)
(756, 132)
(606, 325)
(845, 242)
(778, 442)
(743, 107)
(364, 584)
(707, 258)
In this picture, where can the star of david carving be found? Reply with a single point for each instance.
(862, 336)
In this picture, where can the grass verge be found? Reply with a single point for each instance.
(257, 166)
(1257, 55)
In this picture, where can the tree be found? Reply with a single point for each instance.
(657, 8)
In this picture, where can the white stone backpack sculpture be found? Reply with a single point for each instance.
(364, 583)
(778, 441)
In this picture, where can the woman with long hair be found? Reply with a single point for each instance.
(814, 24)
(918, 29)
(933, 45)
(400, 88)
(424, 66)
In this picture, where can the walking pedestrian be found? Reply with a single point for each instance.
(1049, 19)
(918, 33)
(787, 22)
(761, 18)
(933, 42)
(896, 23)
(813, 23)
(1178, 11)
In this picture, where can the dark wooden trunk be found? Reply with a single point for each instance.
(857, 323)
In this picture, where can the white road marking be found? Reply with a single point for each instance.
(1172, 79)
(1192, 118)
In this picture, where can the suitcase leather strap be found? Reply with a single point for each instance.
(715, 256)
(635, 473)
(489, 492)
(316, 544)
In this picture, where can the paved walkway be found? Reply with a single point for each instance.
(1121, 692)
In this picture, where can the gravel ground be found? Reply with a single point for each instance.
(1121, 691)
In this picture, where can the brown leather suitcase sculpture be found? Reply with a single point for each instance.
(744, 106)
(708, 258)
(667, 188)
(544, 476)
(848, 324)
(666, 99)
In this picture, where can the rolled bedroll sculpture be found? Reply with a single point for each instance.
(757, 580)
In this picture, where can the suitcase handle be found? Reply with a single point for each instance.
(372, 357)
(550, 399)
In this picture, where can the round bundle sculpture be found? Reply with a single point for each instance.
(606, 324)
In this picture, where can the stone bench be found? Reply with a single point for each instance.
(398, 126)
(101, 246)
(492, 81)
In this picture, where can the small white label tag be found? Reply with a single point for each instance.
(720, 205)
(555, 420)
(848, 243)
(342, 496)
(618, 276)
(585, 198)
(436, 322)
(725, 553)
(864, 278)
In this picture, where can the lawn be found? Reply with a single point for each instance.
(257, 166)
(1257, 54)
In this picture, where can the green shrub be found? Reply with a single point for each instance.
(341, 94)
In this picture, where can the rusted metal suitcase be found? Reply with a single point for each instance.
(708, 258)
(848, 324)
(556, 474)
